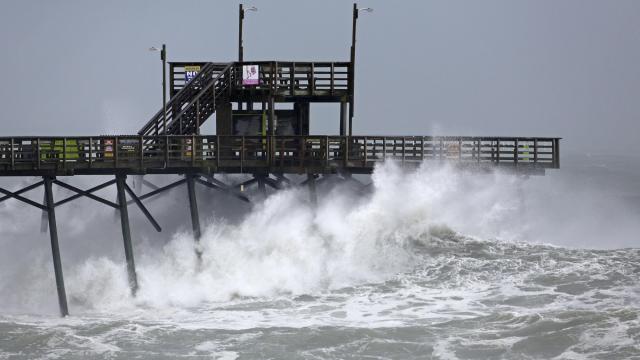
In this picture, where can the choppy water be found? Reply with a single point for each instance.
(445, 275)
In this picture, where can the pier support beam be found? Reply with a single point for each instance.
(55, 249)
(261, 186)
(313, 195)
(126, 233)
(193, 207)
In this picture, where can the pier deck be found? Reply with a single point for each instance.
(177, 154)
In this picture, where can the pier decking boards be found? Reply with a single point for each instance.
(262, 114)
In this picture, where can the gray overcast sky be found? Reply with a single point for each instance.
(566, 68)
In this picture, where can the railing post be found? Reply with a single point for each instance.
(365, 151)
(556, 151)
(64, 153)
(13, 154)
(141, 153)
(38, 152)
(115, 151)
(312, 80)
(346, 151)
(193, 150)
(332, 77)
(166, 151)
(404, 144)
(515, 152)
(217, 152)
(292, 76)
(535, 151)
(198, 117)
(384, 148)
(274, 73)
(498, 147)
(90, 151)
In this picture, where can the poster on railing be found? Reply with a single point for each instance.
(250, 74)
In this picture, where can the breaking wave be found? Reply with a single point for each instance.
(433, 261)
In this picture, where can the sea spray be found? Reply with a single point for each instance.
(285, 246)
(433, 261)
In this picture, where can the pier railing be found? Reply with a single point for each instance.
(299, 78)
(290, 78)
(287, 154)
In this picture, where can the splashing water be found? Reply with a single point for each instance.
(433, 263)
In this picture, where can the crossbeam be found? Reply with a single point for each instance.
(14, 195)
(23, 190)
(162, 189)
(87, 193)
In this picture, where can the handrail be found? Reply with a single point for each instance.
(211, 84)
(141, 154)
(182, 97)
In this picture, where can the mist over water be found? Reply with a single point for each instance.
(427, 263)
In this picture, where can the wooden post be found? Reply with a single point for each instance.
(313, 196)
(343, 118)
(126, 233)
(55, 249)
(193, 208)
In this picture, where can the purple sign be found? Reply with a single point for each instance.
(250, 74)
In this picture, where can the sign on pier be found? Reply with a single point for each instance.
(250, 75)
(190, 72)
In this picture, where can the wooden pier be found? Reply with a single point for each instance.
(263, 114)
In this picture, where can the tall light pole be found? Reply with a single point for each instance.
(163, 57)
(240, 20)
(240, 46)
(353, 60)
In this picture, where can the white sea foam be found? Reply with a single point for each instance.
(394, 258)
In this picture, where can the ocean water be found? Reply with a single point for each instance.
(427, 264)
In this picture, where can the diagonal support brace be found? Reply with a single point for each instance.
(246, 183)
(87, 193)
(23, 190)
(15, 195)
(164, 188)
(142, 208)
(277, 185)
(220, 186)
